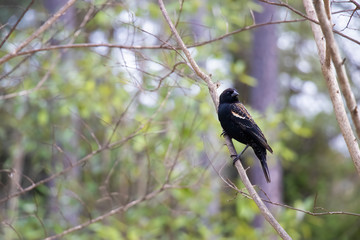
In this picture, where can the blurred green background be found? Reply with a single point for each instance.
(87, 130)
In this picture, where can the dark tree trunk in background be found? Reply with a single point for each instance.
(17, 166)
(264, 61)
(264, 68)
(70, 156)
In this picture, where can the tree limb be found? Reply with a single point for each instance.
(308, 17)
(45, 26)
(212, 90)
(139, 47)
(34, 89)
(212, 87)
(312, 213)
(17, 22)
(114, 211)
(331, 82)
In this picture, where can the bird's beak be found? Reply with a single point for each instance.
(234, 94)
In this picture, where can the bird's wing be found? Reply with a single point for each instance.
(245, 122)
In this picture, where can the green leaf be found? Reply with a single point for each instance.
(298, 128)
(43, 117)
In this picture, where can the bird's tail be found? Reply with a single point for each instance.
(261, 154)
(265, 170)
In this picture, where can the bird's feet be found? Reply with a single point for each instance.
(223, 133)
(237, 157)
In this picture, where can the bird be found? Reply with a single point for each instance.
(238, 124)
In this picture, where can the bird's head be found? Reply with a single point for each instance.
(229, 96)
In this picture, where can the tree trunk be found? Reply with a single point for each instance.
(264, 68)
(17, 156)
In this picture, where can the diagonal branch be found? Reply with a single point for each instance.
(312, 213)
(114, 211)
(212, 90)
(206, 78)
(45, 26)
(333, 86)
(17, 22)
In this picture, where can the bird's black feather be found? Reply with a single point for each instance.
(239, 125)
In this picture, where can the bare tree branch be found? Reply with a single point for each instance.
(107, 145)
(308, 17)
(212, 87)
(34, 89)
(48, 23)
(332, 85)
(164, 186)
(323, 213)
(76, 164)
(45, 26)
(212, 90)
(247, 195)
(17, 22)
(139, 47)
(15, 67)
(326, 27)
(112, 212)
(53, 65)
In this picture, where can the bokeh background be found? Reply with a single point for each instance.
(124, 138)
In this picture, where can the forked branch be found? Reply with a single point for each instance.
(39, 31)
(326, 26)
(330, 77)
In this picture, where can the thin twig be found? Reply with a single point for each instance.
(112, 212)
(308, 17)
(5, 75)
(212, 87)
(212, 90)
(17, 22)
(57, 59)
(163, 46)
(247, 195)
(34, 89)
(40, 30)
(84, 159)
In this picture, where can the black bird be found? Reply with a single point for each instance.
(238, 124)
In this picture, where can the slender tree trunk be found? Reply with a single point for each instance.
(17, 156)
(264, 68)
